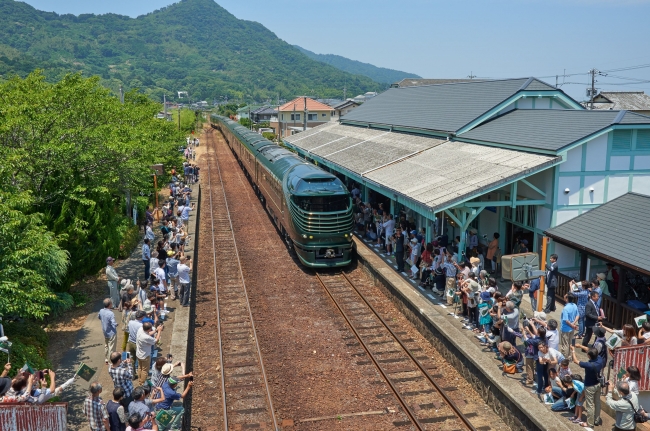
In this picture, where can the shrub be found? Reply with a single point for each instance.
(269, 135)
(130, 240)
(29, 344)
(62, 303)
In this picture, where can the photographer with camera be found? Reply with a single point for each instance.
(120, 372)
(625, 407)
(593, 381)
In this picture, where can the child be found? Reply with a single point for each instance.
(579, 398)
(564, 368)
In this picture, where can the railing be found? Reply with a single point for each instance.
(626, 314)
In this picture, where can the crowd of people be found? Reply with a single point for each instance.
(143, 304)
(541, 350)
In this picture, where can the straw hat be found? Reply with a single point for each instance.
(167, 369)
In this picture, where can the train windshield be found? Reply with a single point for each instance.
(328, 203)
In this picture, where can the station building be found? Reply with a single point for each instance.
(514, 156)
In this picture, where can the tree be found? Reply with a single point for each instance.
(77, 152)
(32, 259)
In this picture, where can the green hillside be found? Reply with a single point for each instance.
(378, 74)
(194, 45)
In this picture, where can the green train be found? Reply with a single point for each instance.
(311, 207)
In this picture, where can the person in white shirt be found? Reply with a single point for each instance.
(389, 227)
(146, 338)
(184, 280)
(160, 272)
(413, 256)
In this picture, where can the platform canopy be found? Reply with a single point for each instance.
(613, 232)
(429, 173)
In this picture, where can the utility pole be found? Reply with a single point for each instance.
(593, 87)
(165, 106)
(344, 92)
(304, 122)
(179, 118)
(121, 95)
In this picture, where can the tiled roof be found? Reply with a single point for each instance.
(299, 103)
(414, 82)
(628, 100)
(346, 104)
(548, 129)
(612, 231)
(445, 107)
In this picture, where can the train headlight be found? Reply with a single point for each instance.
(311, 236)
(304, 236)
(346, 235)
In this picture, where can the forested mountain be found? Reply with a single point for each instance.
(194, 45)
(378, 74)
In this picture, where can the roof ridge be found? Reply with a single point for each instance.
(619, 116)
(473, 81)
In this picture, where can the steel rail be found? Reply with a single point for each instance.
(410, 413)
(241, 274)
(216, 288)
(441, 391)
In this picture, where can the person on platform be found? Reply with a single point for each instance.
(625, 406)
(551, 283)
(109, 328)
(95, 410)
(113, 281)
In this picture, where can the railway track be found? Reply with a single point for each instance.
(427, 405)
(246, 398)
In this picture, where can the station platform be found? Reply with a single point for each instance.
(506, 394)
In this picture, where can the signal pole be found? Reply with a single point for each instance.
(593, 89)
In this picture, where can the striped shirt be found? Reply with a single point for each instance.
(122, 378)
(95, 412)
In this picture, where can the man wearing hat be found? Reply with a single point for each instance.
(113, 280)
(170, 394)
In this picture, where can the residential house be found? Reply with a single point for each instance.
(291, 115)
(264, 114)
(343, 108)
(245, 111)
(635, 101)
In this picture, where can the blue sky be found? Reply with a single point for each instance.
(451, 39)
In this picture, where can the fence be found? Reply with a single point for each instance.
(31, 417)
(616, 314)
(639, 356)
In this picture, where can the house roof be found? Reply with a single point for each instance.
(414, 82)
(345, 104)
(442, 107)
(617, 100)
(548, 129)
(421, 169)
(611, 232)
(299, 103)
(265, 110)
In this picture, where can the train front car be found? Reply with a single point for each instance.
(321, 217)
